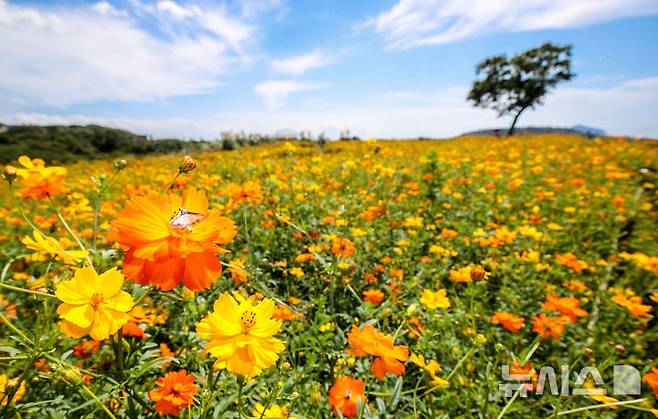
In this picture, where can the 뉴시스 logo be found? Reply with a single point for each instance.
(626, 381)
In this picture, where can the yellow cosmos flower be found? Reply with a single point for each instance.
(93, 304)
(48, 245)
(240, 335)
(435, 299)
(432, 367)
(273, 412)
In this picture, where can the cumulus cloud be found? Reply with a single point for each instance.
(61, 56)
(627, 108)
(413, 23)
(300, 64)
(275, 92)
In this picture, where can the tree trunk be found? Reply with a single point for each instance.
(511, 129)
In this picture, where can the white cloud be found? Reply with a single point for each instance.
(175, 10)
(106, 8)
(627, 108)
(412, 23)
(63, 56)
(300, 64)
(275, 92)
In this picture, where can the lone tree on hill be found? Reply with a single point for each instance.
(512, 85)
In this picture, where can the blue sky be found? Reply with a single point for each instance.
(385, 68)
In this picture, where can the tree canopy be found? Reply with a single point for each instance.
(512, 85)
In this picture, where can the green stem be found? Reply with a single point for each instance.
(18, 205)
(18, 289)
(173, 181)
(68, 228)
(531, 352)
(143, 296)
(600, 406)
(239, 399)
(100, 195)
(91, 394)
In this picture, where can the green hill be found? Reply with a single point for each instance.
(66, 143)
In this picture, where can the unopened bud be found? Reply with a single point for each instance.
(187, 164)
(588, 351)
(120, 164)
(477, 272)
(9, 174)
(620, 348)
(72, 376)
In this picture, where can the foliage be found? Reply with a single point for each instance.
(368, 250)
(512, 85)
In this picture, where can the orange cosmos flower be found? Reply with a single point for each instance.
(508, 320)
(388, 357)
(549, 326)
(343, 248)
(568, 306)
(651, 378)
(345, 396)
(632, 303)
(172, 240)
(373, 296)
(461, 274)
(39, 181)
(571, 261)
(86, 349)
(137, 316)
(176, 391)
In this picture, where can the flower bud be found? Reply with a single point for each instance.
(588, 351)
(478, 272)
(120, 164)
(72, 376)
(620, 348)
(9, 174)
(187, 164)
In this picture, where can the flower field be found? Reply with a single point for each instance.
(354, 279)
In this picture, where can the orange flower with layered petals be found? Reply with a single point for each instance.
(651, 378)
(388, 357)
(508, 320)
(345, 395)
(568, 306)
(343, 248)
(172, 240)
(176, 392)
(39, 181)
(547, 327)
(373, 296)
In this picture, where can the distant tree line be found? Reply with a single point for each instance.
(59, 143)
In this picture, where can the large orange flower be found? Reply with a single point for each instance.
(175, 391)
(508, 320)
(388, 357)
(345, 396)
(547, 327)
(172, 240)
(568, 306)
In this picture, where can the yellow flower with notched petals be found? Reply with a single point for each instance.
(240, 335)
(93, 304)
(272, 412)
(435, 299)
(45, 244)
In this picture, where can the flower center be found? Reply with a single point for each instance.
(348, 394)
(96, 300)
(247, 320)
